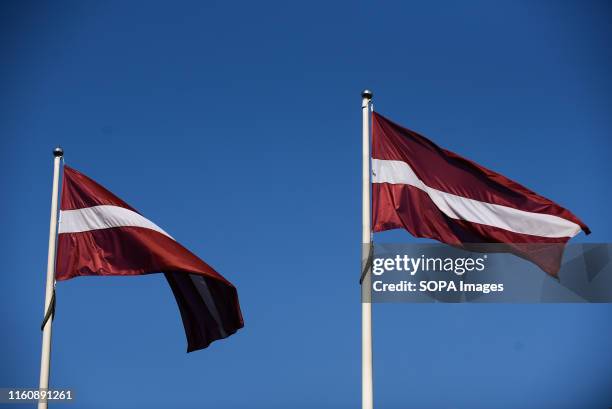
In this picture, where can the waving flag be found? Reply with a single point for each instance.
(434, 193)
(101, 235)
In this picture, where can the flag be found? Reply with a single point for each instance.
(101, 235)
(437, 194)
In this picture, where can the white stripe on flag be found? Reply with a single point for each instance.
(103, 217)
(462, 208)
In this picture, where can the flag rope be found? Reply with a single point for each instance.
(50, 314)
(368, 263)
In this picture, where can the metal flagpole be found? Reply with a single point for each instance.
(367, 389)
(45, 358)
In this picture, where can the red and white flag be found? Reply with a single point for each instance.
(434, 193)
(101, 235)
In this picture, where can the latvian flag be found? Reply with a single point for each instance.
(437, 194)
(101, 235)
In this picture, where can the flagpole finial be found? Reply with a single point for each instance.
(58, 151)
(366, 93)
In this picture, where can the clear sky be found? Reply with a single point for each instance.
(236, 127)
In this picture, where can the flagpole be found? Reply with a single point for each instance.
(45, 359)
(367, 388)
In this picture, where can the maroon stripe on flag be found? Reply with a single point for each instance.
(446, 171)
(79, 191)
(208, 303)
(125, 250)
(397, 206)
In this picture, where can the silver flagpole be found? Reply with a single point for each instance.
(367, 388)
(45, 358)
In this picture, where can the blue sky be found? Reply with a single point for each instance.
(236, 128)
